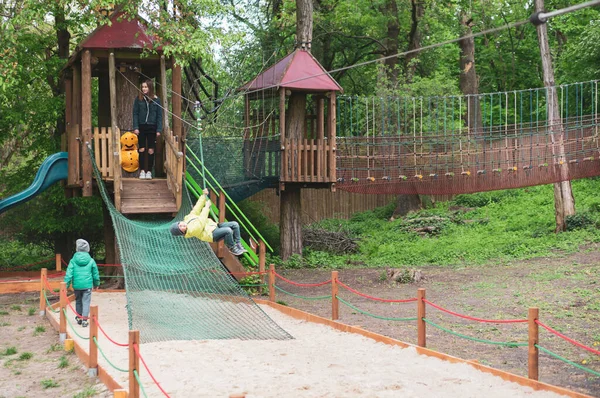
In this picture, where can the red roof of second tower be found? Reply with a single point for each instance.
(298, 70)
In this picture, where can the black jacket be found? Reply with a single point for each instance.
(147, 111)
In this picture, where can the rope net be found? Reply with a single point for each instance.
(177, 289)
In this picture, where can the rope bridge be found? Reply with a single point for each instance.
(177, 289)
(423, 145)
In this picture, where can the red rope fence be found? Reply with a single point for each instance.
(302, 284)
(410, 300)
(473, 318)
(570, 340)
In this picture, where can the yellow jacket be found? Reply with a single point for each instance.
(199, 224)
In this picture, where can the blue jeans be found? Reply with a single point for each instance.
(83, 298)
(230, 231)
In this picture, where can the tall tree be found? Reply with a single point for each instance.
(564, 203)
(468, 81)
(290, 203)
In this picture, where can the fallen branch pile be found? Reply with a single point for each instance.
(329, 241)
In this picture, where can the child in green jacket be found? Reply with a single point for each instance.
(199, 225)
(82, 273)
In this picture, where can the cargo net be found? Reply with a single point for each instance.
(177, 289)
(465, 144)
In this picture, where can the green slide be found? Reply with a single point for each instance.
(52, 170)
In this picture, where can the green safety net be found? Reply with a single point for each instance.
(177, 289)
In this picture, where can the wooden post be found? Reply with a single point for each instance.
(74, 140)
(421, 312)
(321, 154)
(272, 282)
(164, 93)
(69, 345)
(43, 276)
(86, 120)
(176, 102)
(93, 358)
(222, 207)
(533, 351)
(112, 78)
(120, 393)
(217, 201)
(262, 259)
(283, 167)
(134, 363)
(331, 134)
(57, 261)
(63, 318)
(335, 306)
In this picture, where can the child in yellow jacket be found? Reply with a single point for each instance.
(199, 225)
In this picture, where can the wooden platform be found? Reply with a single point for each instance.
(231, 262)
(146, 196)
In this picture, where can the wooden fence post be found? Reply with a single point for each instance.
(533, 351)
(43, 276)
(120, 393)
(262, 259)
(93, 358)
(421, 325)
(63, 317)
(57, 259)
(134, 363)
(335, 306)
(272, 282)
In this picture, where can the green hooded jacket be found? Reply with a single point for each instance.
(82, 272)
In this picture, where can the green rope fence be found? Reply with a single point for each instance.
(49, 306)
(500, 343)
(106, 359)
(137, 377)
(72, 328)
(555, 355)
(303, 297)
(373, 315)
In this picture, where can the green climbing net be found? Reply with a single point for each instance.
(177, 289)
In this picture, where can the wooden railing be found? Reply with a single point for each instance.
(103, 141)
(308, 160)
(173, 165)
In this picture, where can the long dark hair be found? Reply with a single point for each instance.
(150, 94)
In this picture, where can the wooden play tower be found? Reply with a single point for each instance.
(302, 153)
(112, 58)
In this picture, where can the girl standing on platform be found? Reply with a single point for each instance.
(147, 125)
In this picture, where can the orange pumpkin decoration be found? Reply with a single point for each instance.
(130, 158)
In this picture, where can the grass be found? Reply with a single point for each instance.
(15, 307)
(25, 356)
(9, 351)
(3, 312)
(476, 229)
(48, 383)
(31, 311)
(38, 330)
(54, 347)
(21, 328)
(87, 392)
(63, 362)
(4, 323)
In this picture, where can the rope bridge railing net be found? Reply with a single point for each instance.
(464, 144)
(177, 289)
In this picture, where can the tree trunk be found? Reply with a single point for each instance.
(406, 204)
(290, 209)
(469, 82)
(414, 37)
(304, 23)
(126, 94)
(564, 203)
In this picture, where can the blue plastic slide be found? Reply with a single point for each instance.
(52, 170)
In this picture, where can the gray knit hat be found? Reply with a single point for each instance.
(175, 231)
(82, 246)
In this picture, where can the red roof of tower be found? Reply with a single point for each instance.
(299, 70)
(123, 32)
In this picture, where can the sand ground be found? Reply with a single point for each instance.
(319, 362)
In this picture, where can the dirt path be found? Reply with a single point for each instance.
(32, 363)
(565, 289)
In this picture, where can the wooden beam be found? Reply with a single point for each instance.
(93, 348)
(335, 305)
(331, 136)
(86, 120)
(533, 351)
(134, 363)
(421, 325)
(116, 152)
(176, 102)
(74, 132)
(283, 171)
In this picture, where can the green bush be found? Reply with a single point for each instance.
(580, 220)
(255, 212)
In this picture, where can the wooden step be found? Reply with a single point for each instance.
(230, 261)
(146, 196)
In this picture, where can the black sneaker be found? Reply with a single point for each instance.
(84, 324)
(78, 319)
